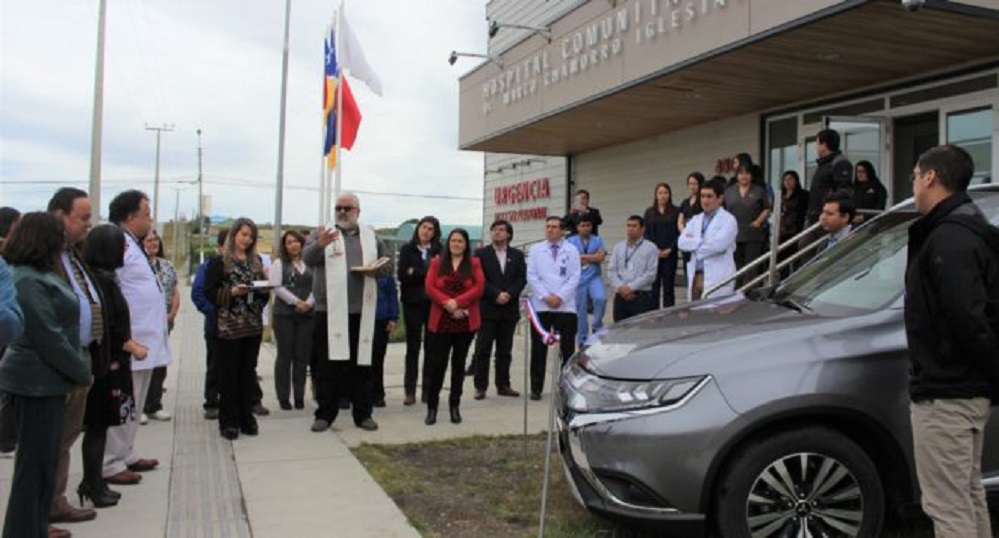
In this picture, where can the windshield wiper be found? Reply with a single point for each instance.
(788, 302)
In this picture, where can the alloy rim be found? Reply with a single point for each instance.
(805, 495)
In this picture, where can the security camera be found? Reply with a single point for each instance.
(913, 5)
(493, 29)
(453, 57)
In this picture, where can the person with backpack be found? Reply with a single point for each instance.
(952, 326)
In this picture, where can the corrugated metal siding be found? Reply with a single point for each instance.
(621, 178)
(526, 12)
(500, 171)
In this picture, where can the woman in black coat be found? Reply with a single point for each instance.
(414, 259)
(868, 191)
(794, 206)
(110, 401)
(662, 228)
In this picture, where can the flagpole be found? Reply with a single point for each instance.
(339, 111)
(279, 200)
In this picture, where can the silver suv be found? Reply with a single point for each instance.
(782, 412)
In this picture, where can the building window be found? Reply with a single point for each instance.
(972, 130)
(782, 139)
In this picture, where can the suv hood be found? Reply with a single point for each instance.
(642, 347)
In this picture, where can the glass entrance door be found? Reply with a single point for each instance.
(861, 139)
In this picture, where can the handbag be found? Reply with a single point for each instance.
(232, 326)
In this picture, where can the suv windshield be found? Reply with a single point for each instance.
(866, 272)
(863, 275)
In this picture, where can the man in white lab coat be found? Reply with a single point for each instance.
(138, 282)
(710, 239)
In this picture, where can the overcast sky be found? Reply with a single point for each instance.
(216, 65)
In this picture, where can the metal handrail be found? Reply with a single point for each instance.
(763, 259)
(775, 270)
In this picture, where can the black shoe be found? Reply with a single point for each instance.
(260, 410)
(109, 491)
(455, 415)
(379, 402)
(212, 413)
(368, 424)
(299, 404)
(230, 433)
(249, 429)
(285, 404)
(96, 494)
(535, 396)
(431, 416)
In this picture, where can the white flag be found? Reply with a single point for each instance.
(351, 57)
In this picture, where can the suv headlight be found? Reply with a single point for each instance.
(585, 392)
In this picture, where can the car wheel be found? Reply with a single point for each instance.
(807, 482)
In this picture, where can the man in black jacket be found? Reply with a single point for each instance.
(834, 174)
(506, 275)
(951, 321)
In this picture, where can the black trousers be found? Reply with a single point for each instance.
(644, 302)
(501, 332)
(294, 351)
(379, 346)
(154, 397)
(746, 252)
(39, 432)
(665, 283)
(445, 348)
(211, 372)
(237, 362)
(335, 378)
(415, 316)
(8, 425)
(565, 324)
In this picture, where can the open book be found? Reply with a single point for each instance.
(373, 266)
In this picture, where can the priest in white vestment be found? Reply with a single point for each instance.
(347, 260)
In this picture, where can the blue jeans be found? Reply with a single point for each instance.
(587, 291)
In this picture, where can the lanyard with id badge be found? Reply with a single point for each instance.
(628, 257)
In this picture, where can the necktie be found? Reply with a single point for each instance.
(97, 325)
(554, 251)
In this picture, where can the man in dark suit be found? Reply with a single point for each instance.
(506, 276)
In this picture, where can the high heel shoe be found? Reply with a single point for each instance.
(455, 415)
(109, 492)
(97, 496)
(431, 416)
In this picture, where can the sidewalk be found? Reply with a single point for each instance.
(288, 481)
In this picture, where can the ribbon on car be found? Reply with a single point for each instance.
(549, 338)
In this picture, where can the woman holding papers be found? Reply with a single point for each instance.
(232, 283)
(454, 285)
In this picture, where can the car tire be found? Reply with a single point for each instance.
(810, 476)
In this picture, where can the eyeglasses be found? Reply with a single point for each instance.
(344, 208)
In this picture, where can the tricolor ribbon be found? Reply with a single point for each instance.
(549, 338)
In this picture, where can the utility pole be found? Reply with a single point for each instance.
(279, 200)
(176, 226)
(156, 179)
(97, 123)
(202, 229)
